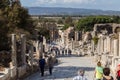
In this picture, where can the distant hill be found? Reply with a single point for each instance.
(69, 11)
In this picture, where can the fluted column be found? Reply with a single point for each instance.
(14, 55)
(119, 44)
(115, 47)
(23, 48)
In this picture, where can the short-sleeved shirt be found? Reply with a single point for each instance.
(80, 78)
(118, 73)
(99, 72)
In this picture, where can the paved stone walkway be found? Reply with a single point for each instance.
(67, 69)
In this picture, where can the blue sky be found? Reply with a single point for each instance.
(89, 4)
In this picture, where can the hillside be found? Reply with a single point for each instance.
(69, 11)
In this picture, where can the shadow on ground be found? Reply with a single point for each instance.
(65, 72)
(69, 71)
(60, 73)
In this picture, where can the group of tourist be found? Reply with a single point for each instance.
(100, 73)
(43, 63)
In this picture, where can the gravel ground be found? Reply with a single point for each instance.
(67, 69)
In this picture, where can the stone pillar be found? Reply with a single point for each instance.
(115, 47)
(13, 66)
(115, 61)
(44, 43)
(76, 35)
(98, 46)
(23, 48)
(92, 46)
(108, 44)
(41, 47)
(119, 44)
(112, 47)
(105, 45)
(31, 56)
(37, 49)
(72, 44)
(14, 55)
(62, 37)
(102, 44)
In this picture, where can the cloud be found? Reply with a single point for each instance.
(45, 1)
(63, 1)
(78, 1)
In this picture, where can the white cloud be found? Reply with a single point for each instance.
(63, 1)
(45, 1)
(77, 1)
(73, 1)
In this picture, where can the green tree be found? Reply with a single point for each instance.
(87, 23)
(60, 21)
(12, 17)
(44, 32)
(65, 26)
(69, 21)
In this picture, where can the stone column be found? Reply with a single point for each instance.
(44, 43)
(31, 56)
(23, 48)
(92, 46)
(41, 47)
(115, 61)
(115, 47)
(14, 55)
(62, 37)
(37, 49)
(98, 46)
(72, 44)
(13, 66)
(102, 45)
(105, 45)
(119, 44)
(112, 47)
(76, 35)
(108, 44)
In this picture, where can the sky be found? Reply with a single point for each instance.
(87, 4)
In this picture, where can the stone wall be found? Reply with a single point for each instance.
(108, 48)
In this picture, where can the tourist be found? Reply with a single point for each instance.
(42, 65)
(118, 72)
(99, 71)
(106, 72)
(80, 75)
(50, 64)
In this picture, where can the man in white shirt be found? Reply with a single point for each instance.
(80, 75)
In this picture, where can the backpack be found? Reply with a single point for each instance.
(42, 62)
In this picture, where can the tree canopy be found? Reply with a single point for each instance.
(87, 23)
(68, 22)
(12, 18)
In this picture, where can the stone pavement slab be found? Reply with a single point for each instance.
(67, 69)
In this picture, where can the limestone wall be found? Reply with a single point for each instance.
(110, 51)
